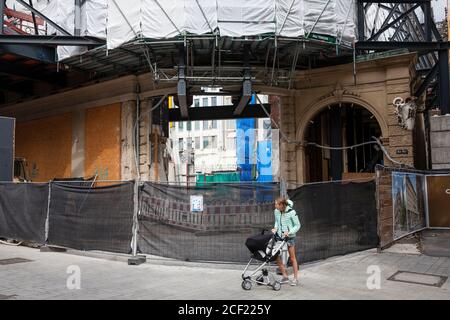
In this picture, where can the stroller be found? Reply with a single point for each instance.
(265, 247)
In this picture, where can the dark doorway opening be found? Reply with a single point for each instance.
(342, 125)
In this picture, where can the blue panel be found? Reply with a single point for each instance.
(264, 164)
(245, 147)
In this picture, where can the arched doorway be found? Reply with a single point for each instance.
(340, 125)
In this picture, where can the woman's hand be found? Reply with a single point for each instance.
(286, 234)
(274, 230)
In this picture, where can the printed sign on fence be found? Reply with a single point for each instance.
(197, 203)
(408, 203)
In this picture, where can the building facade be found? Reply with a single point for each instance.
(209, 147)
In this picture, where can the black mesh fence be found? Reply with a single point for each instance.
(91, 218)
(336, 217)
(23, 211)
(231, 212)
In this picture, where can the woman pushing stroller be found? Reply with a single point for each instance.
(286, 225)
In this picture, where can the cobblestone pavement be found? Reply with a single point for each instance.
(344, 277)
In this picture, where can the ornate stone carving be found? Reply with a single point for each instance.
(405, 110)
(339, 92)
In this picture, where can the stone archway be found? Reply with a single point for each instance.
(338, 97)
(313, 109)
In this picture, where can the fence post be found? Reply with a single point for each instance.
(48, 211)
(46, 247)
(135, 259)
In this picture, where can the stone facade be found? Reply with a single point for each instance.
(375, 86)
(385, 208)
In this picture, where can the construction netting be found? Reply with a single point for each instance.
(122, 21)
(23, 211)
(209, 222)
(203, 223)
(231, 18)
(91, 218)
(336, 217)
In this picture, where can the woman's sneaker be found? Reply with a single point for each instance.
(284, 280)
(294, 282)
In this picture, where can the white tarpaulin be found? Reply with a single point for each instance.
(244, 18)
(124, 21)
(65, 18)
(94, 14)
(200, 16)
(120, 21)
(320, 17)
(290, 18)
(162, 19)
(346, 17)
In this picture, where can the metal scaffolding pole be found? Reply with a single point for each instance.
(444, 86)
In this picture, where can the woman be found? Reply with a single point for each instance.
(286, 225)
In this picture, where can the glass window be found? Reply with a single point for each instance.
(188, 125)
(196, 102)
(205, 124)
(231, 143)
(214, 124)
(180, 125)
(188, 142)
(214, 142)
(231, 124)
(197, 143)
(197, 125)
(206, 142)
(213, 101)
(205, 102)
(180, 144)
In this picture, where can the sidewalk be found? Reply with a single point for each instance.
(342, 277)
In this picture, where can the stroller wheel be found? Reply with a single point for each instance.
(246, 285)
(276, 286)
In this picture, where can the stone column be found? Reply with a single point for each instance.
(128, 166)
(144, 139)
(288, 158)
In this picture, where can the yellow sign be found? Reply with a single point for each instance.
(171, 104)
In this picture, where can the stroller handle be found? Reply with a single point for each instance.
(263, 231)
(278, 238)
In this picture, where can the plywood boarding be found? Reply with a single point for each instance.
(46, 146)
(102, 142)
(439, 201)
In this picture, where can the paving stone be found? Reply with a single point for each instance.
(343, 277)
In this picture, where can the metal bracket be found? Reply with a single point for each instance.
(182, 84)
(246, 84)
